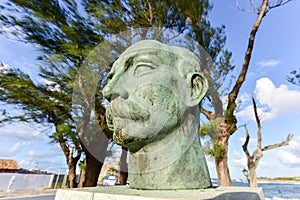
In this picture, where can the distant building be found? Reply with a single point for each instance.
(109, 169)
(109, 180)
(8, 166)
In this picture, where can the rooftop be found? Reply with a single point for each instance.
(9, 164)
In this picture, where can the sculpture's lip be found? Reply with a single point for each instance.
(127, 110)
(109, 120)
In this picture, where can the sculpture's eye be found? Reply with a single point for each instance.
(143, 69)
(109, 76)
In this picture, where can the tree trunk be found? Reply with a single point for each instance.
(222, 166)
(71, 161)
(90, 172)
(72, 174)
(230, 119)
(123, 167)
(252, 177)
(253, 160)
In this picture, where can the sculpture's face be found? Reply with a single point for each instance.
(147, 98)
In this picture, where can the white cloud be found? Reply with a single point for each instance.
(272, 101)
(51, 85)
(239, 159)
(37, 155)
(265, 165)
(33, 154)
(245, 97)
(26, 164)
(51, 160)
(22, 132)
(268, 63)
(4, 68)
(290, 155)
(49, 165)
(288, 158)
(252, 141)
(248, 113)
(11, 31)
(15, 149)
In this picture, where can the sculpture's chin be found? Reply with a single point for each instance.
(133, 144)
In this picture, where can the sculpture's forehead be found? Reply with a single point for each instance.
(155, 57)
(156, 53)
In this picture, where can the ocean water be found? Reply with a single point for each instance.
(273, 190)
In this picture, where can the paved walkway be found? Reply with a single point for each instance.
(34, 197)
(47, 194)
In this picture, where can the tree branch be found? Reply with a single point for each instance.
(245, 145)
(279, 3)
(151, 20)
(257, 155)
(208, 114)
(254, 8)
(151, 17)
(241, 78)
(258, 124)
(283, 143)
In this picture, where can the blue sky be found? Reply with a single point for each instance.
(276, 53)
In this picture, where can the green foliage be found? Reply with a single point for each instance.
(112, 171)
(65, 38)
(294, 77)
(212, 129)
(66, 32)
(187, 17)
(82, 165)
(214, 149)
(38, 103)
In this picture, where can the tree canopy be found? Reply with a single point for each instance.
(66, 32)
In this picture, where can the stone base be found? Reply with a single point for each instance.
(125, 193)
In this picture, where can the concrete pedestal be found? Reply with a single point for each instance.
(125, 193)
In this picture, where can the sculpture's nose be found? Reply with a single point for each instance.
(107, 92)
(113, 90)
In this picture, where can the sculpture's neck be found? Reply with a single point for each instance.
(175, 162)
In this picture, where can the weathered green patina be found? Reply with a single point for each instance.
(154, 92)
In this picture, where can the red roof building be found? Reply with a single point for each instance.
(7, 165)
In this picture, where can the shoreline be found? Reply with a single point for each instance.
(275, 180)
(272, 180)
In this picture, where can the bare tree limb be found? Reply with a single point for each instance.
(279, 3)
(242, 76)
(258, 124)
(151, 16)
(245, 145)
(208, 114)
(252, 5)
(151, 20)
(246, 173)
(256, 156)
(253, 160)
(283, 143)
(253, 10)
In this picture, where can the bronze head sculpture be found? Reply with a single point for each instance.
(154, 92)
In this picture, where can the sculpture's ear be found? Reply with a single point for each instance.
(198, 88)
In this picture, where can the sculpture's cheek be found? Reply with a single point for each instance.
(159, 96)
(150, 113)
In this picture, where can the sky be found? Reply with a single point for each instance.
(275, 54)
